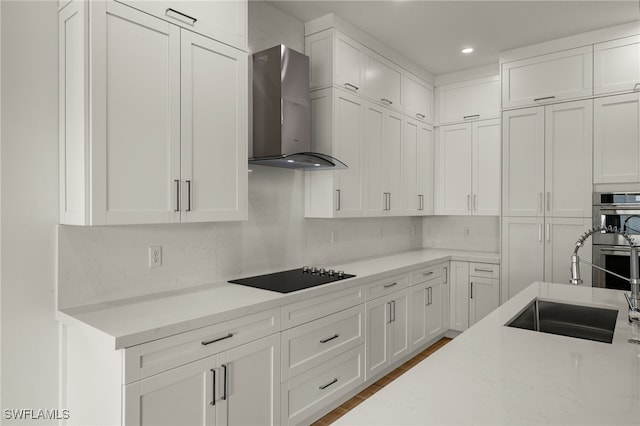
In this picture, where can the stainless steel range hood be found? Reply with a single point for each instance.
(281, 115)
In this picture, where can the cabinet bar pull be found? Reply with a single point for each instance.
(540, 201)
(539, 233)
(225, 384)
(430, 295)
(472, 289)
(352, 86)
(420, 202)
(323, 387)
(475, 198)
(337, 200)
(213, 401)
(484, 270)
(390, 285)
(636, 88)
(426, 274)
(208, 342)
(328, 339)
(390, 320)
(446, 273)
(393, 305)
(188, 195)
(387, 101)
(468, 202)
(548, 201)
(420, 115)
(548, 232)
(177, 181)
(469, 117)
(546, 98)
(180, 15)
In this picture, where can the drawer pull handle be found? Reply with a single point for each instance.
(636, 88)
(352, 86)
(323, 387)
(484, 270)
(426, 274)
(328, 339)
(469, 117)
(390, 285)
(420, 115)
(208, 342)
(546, 98)
(180, 16)
(213, 401)
(386, 101)
(177, 181)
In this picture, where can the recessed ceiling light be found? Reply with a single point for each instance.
(467, 50)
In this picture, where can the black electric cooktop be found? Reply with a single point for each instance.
(294, 279)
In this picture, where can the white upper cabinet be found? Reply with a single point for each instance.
(417, 165)
(616, 139)
(144, 143)
(477, 99)
(548, 78)
(349, 62)
(223, 20)
(468, 180)
(417, 97)
(616, 66)
(382, 80)
(337, 129)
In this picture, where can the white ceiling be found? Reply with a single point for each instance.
(432, 33)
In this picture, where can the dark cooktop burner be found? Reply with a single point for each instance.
(294, 279)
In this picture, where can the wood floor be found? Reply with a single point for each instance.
(348, 405)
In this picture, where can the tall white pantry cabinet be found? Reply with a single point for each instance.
(153, 119)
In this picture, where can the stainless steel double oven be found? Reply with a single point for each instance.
(611, 251)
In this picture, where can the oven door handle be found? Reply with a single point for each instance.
(614, 251)
(618, 211)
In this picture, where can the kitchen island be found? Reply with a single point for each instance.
(497, 375)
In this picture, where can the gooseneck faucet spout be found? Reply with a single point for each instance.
(633, 299)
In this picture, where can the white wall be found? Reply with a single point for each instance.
(108, 263)
(448, 232)
(29, 177)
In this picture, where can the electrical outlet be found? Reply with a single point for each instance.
(466, 232)
(155, 256)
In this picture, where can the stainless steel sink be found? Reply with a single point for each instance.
(582, 322)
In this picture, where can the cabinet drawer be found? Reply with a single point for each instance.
(429, 273)
(312, 344)
(225, 21)
(318, 307)
(160, 355)
(386, 286)
(307, 393)
(487, 270)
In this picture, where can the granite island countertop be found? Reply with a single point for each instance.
(141, 319)
(497, 375)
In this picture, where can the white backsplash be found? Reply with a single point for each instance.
(448, 232)
(101, 264)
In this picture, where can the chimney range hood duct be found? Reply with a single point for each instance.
(281, 117)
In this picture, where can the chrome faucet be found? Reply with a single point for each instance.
(633, 299)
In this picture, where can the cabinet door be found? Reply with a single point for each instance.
(434, 310)
(459, 295)
(250, 387)
(347, 143)
(568, 154)
(181, 396)
(486, 150)
(135, 116)
(378, 341)
(319, 48)
(454, 170)
(548, 78)
(616, 66)
(413, 199)
(419, 302)
(561, 235)
(392, 162)
(477, 99)
(616, 132)
(523, 162)
(382, 80)
(225, 20)
(349, 63)
(400, 326)
(373, 134)
(417, 98)
(484, 297)
(425, 168)
(522, 254)
(214, 130)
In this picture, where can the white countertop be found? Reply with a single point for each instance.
(497, 375)
(134, 321)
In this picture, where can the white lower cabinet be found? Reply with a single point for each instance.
(475, 292)
(429, 305)
(387, 331)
